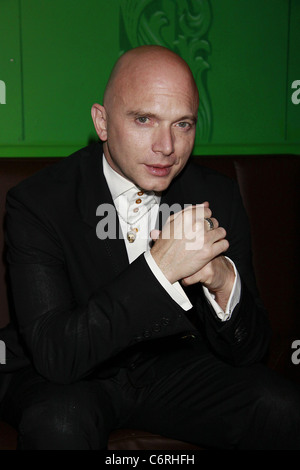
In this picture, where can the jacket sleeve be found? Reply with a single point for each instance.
(67, 340)
(244, 338)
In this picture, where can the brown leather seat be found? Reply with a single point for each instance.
(8, 437)
(121, 439)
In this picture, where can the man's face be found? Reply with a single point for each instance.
(150, 125)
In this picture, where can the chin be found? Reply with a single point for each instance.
(158, 186)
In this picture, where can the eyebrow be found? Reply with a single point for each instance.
(141, 113)
(138, 113)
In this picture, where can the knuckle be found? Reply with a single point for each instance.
(215, 222)
(226, 244)
(222, 232)
(206, 251)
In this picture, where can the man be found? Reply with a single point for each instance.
(124, 331)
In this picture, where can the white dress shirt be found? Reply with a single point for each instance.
(137, 211)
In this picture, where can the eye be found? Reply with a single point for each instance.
(184, 125)
(142, 119)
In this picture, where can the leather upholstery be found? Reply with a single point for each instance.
(8, 437)
(268, 185)
(127, 439)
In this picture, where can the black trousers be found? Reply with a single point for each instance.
(205, 401)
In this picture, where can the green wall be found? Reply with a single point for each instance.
(55, 58)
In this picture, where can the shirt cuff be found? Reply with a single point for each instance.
(174, 290)
(232, 301)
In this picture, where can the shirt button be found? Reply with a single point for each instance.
(138, 201)
(156, 327)
(140, 193)
(136, 210)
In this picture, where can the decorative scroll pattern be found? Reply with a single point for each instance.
(180, 25)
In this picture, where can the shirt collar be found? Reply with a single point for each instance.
(118, 184)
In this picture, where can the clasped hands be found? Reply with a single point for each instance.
(187, 250)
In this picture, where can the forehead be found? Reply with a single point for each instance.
(157, 90)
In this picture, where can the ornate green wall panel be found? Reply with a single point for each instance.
(56, 56)
(180, 25)
(11, 97)
(293, 77)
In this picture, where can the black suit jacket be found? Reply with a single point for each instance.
(83, 310)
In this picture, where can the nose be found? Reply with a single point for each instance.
(163, 141)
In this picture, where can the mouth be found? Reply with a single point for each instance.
(159, 170)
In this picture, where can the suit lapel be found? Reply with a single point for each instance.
(94, 193)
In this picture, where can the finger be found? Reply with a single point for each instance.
(219, 247)
(197, 212)
(216, 234)
(214, 221)
(201, 210)
(193, 279)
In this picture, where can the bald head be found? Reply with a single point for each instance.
(145, 61)
(147, 122)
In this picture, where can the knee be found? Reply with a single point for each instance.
(274, 421)
(277, 397)
(61, 418)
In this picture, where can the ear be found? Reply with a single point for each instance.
(100, 120)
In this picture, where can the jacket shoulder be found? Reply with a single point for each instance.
(199, 179)
(58, 177)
